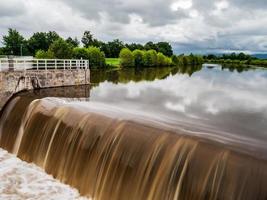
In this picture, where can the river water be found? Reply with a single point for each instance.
(154, 133)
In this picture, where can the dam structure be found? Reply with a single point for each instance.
(18, 74)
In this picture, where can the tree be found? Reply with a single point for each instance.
(115, 48)
(185, 60)
(150, 46)
(138, 58)
(51, 37)
(1, 51)
(80, 53)
(165, 48)
(74, 42)
(127, 58)
(61, 49)
(14, 43)
(105, 48)
(41, 54)
(150, 58)
(88, 40)
(96, 57)
(175, 60)
(38, 41)
(134, 46)
(161, 59)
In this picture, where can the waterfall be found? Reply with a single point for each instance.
(111, 158)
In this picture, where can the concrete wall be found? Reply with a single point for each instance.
(11, 81)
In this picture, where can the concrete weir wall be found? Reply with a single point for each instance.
(14, 81)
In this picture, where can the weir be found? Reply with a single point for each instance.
(17, 74)
(110, 158)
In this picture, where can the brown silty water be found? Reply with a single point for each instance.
(111, 158)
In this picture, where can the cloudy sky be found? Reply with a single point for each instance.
(190, 25)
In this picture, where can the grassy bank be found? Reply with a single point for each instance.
(114, 62)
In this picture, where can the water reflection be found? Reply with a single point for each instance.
(217, 99)
(137, 75)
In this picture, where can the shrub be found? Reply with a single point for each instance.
(96, 57)
(61, 49)
(41, 54)
(161, 59)
(80, 53)
(150, 58)
(185, 60)
(175, 60)
(138, 58)
(127, 58)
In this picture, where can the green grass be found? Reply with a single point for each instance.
(113, 61)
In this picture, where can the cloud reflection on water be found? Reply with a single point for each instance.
(221, 100)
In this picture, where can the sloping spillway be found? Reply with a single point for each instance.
(111, 158)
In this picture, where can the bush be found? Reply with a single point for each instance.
(61, 49)
(150, 58)
(161, 59)
(185, 60)
(127, 58)
(41, 54)
(138, 58)
(80, 53)
(175, 60)
(96, 57)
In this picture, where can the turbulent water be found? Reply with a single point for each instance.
(110, 152)
(20, 180)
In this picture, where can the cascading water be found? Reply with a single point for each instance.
(110, 158)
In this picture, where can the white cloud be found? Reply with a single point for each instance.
(189, 24)
(181, 4)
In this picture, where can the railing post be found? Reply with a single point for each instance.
(45, 65)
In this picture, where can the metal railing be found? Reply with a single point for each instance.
(22, 64)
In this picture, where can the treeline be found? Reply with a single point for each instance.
(235, 59)
(49, 45)
(15, 44)
(233, 56)
(152, 58)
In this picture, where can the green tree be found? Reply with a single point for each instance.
(38, 41)
(185, 60)
(127, 58)
(134, 46)
(151, 46)
(165, 48)
(150, 58)
(74, 42)
(41, 54)
(96, 57)
(175, 60)
(138, 58)
(115, 48)
(80, 52)
(105, 48)
(14, 43)
(51, 37)
(61, 49)
(161, 59)
(89, 40)
(1, 51)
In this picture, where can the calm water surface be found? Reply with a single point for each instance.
(226, 104)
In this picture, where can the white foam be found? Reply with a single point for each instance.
(20, 180)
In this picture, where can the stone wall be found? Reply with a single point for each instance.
(15, 81)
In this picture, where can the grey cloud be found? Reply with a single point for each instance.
(241, 26)
(11, 8)
(154, 13)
